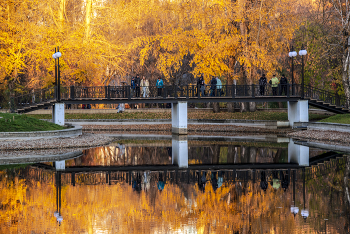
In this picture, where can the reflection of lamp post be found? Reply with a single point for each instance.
(57, 213)
(302, 53)
(57, 56)
(294, 209)
(292, 54)
(304, 212)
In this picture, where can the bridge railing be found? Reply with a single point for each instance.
(326, 96)
(181, 91)
(33, 98)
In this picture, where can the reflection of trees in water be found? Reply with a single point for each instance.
(119, 156)
(28, 197)
(236, 154)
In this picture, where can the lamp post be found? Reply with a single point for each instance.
(302, 53)
(292, 54)
(57, 56)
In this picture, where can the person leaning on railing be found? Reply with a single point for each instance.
(274, 84)
(160, 86)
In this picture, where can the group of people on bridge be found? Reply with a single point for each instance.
(141, 87)
(275, 84)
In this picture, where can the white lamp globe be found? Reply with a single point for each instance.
(58, 54)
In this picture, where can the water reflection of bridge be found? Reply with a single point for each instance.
(173, 174)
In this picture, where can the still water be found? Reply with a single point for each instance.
(180, 186)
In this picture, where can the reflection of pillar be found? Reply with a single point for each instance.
(298, 154)
(180, 150)
(57, 213)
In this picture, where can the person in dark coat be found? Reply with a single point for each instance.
(283, 83)
(137, 85)
(133, 85)
(201, 85)
(262, 84)
(213, 86)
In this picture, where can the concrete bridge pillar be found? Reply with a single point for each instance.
(58, 113)
(298, 154)
(179, 118)
(180, 151)
(298, 112)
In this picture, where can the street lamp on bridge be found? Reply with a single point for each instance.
(302, 53)
(292, 54)
(57, 56)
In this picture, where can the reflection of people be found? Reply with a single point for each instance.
(201, 181)
(263, 183)
(285, 181)
(146, 181)
(276, 182)
(170, 152)
(136, 182)
(220, 178)
(214, 181)
(161, 183)
(121, 150)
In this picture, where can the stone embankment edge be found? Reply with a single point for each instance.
(37, 158)
(76, 130)
(340, 148)
(324, 126)
(272, 124)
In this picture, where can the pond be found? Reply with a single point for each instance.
(180, 185)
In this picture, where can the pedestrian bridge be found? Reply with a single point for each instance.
(298, 98)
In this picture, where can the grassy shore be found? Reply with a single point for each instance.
(258, 115)
(24, 123)
(341, 119)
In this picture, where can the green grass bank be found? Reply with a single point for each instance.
(341, 119)
(25, 123)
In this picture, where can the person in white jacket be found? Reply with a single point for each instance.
(218, 87)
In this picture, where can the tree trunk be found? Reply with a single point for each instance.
(88, 18)
(346, 74)
(230, 105)
(252, 106)
(244, 106)
(216, 108)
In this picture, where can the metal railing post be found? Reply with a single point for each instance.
(253, 90)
